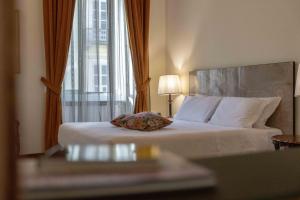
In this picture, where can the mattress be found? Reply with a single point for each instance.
(188, 139)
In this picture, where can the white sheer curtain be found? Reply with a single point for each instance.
(98, 81)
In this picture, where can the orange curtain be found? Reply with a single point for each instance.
(138, 16)
(58, 19)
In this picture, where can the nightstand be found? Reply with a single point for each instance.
(285, 141)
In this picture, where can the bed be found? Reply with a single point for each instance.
(198, 140)
(188, 139)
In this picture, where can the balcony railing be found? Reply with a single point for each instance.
(93, 106)
(92, 36)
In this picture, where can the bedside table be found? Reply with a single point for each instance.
(285, 141)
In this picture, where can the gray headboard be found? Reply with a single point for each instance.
(266, 80)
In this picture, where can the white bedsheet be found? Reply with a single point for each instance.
(188, 139)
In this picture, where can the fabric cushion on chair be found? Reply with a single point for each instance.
(145, 121)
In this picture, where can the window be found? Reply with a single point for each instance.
(103, 21)
(103, 25)
(96, 78)
(103, 6)
(103, 16)
(103, 35)
(104, 69)
(104, 80)
(98, 83)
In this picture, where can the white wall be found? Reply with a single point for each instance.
(157, 53)
(210, 33)
(30, 93)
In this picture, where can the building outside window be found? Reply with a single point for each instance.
(98, 82)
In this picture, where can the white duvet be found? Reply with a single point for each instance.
(188, 139)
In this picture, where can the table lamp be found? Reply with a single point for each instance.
(169, 85)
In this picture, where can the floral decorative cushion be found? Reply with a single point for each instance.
(145, 121)
(118, 119)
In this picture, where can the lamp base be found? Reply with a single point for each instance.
(170, 106)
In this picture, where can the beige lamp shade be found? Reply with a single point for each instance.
(297, 88)
(169, 84)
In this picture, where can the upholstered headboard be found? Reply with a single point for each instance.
(266, 80)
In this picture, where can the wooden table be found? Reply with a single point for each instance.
(285, 141)
(270, 175)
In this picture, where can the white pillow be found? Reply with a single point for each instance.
(197, 108)
(272, 104)
(238, 112)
